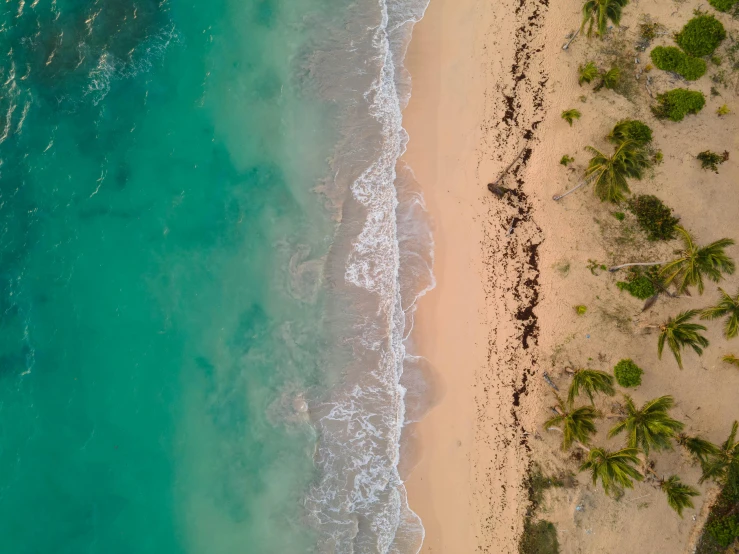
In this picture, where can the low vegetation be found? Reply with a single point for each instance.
(628, 374)
(669, 58)
(571, 115)
(566, 160)
(587, 73)
(723, 5)
(711, 160)
(631, 130)
(677, 103)
(654, 217)
(701, 35)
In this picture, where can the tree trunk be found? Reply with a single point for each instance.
(561, 196)
(634, 264)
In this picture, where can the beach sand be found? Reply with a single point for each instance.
(489, 81)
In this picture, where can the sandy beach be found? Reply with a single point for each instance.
(489, 83)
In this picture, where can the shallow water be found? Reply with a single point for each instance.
(204, 284)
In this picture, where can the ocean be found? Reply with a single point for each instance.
(210, 257)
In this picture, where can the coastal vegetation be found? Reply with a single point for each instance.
(679, 333)
(677, 103)
(627, 373)
(571, 115)
(723, 5)
(597, 13)
(727, 307)
(711, 160)
(632, 130)
(701, 35)
(670, 58)
(640, 283)
(652, 428)
(609, 174)
(654, 217)
(587, 73)
(591, 382)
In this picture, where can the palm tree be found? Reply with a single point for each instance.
(650, 426)
(571, 115)
(678, 334)
(728, 306)
(587, 73)
(615, 470)
(723, 466)
(698, 447)
(694, 261)
(688, 269)
(591, 381)
(609, 79)
(596, 13)
(577, 424)
(731, 359)
(678, 494)
(609, 173)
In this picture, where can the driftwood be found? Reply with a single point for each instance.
(494, 187)
(513, 224)
(550, 382)
(566, 46)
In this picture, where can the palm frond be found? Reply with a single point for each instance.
(576, 424)
(678, 333)
(731, 359)
(688, 269)
(615, 470)
(698, 447)
(727, 306)
(678, 494)
(648, 427)
(590, 381)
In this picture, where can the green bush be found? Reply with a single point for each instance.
(711, 160)
(677, 103)
(724, 530)
(654, 217)
(639, 284)
(722, 5)
(627, 373)
(669, 58)
(538, 538)
(701, 36)
(631, 129)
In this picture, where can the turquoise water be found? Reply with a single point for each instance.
(173, 340)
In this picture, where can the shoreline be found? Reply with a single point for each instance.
(489, 82)
(477, 328)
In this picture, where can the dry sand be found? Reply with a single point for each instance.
(487, 76)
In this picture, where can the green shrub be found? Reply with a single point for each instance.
(711, 160)
(619, 215)
(627, 373)
(566, 160)
(581, 310)
(724, 530)
(639, 284)
(669, 58)
(722, 5)
(631, 129)
(654, 217)
(677, 103)
(538, 538)
(701, 35)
